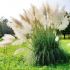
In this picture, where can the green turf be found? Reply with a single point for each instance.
(10, 62)
(64, 44)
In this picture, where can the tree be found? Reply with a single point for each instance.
(4, 29)
(67, 30)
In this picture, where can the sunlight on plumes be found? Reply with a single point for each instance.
(47, 16)
(64, 24)
(20, 29)
(27, 27)
(19, 41)
(57, 19)
(33, 14)
(17, 30)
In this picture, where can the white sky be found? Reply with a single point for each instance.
(14, 7)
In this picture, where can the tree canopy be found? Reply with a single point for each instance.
(4, 29)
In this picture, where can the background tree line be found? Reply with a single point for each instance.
(4, 29)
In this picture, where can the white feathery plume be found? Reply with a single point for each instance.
(57, 19)
(47, 16)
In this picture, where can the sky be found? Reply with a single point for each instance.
(12, 8)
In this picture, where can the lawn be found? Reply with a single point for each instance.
(65, 45)
(10, 62)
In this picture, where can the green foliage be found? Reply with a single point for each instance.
(66, 31)
(4, 29)
(16, 63)
(65, 45)
(46, 49)
(10, 62)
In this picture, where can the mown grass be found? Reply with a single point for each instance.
(64, 44)
(10, 62)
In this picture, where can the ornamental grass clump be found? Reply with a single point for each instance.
(41, 26)
(46, 49)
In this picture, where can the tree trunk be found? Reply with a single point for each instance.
(64, 36)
